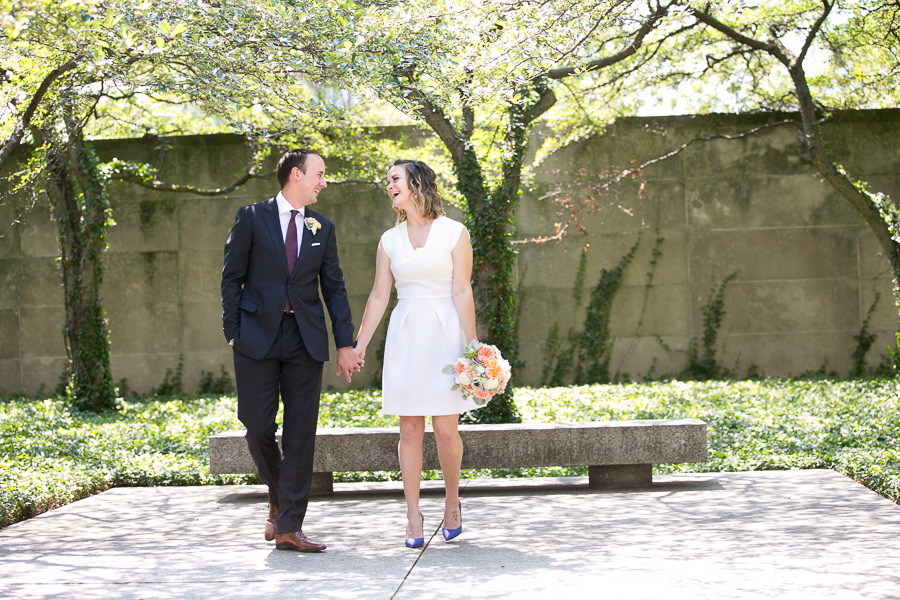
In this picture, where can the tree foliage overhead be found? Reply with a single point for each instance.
(849, 52)
(806, 57)
(493, 70)
(68, 67)
(479, 75)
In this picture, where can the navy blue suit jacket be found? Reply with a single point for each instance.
(256, 284)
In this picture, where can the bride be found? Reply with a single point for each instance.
(428, 256)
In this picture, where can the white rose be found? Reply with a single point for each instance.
(490, 384)
(463, 379)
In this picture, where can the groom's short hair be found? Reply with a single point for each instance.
(292, 158)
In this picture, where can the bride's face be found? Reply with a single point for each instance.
(398, 189)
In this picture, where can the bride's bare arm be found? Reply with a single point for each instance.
(462, 286)
(377, 302)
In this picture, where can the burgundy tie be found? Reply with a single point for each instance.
(290, 249)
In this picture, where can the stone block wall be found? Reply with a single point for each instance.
(808, 267)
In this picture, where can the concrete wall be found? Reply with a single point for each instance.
(809, 267)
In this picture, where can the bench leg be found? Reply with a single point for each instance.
(611, 477)
(322, 484)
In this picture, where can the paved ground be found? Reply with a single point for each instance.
(775, 534)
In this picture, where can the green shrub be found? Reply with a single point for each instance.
(51, 455)
(852, 426)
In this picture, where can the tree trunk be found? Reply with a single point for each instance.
(490, 220)
(878, 210)
(81, 209)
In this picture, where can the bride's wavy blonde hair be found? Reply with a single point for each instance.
(423, 183)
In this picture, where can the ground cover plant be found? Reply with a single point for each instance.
(51, 455)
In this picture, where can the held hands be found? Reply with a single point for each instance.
(348, 362)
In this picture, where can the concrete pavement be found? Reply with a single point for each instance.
(778, 534)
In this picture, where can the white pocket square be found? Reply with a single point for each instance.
(316, 244)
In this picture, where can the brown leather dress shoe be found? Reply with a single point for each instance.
(270, 523)
(296, 541)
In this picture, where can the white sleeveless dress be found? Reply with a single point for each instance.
(424, 334)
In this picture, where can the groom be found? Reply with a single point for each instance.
(276, 256)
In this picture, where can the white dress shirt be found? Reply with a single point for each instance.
(284, 215)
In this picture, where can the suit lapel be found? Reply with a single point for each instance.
(273, 224)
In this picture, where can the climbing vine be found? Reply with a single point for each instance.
(595, 342)
(490, 220)
(888, 213)
(81, 208)
(593, 345)
(172, 384)
(864, 341)
(578, 288)
(213, 385)
(702, 361)
(655, 255)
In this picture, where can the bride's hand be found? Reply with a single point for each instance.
(361, 351)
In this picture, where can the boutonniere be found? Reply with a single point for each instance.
(313, 225)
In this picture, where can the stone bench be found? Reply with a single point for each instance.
(618, 454)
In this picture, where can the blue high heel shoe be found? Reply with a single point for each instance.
(449, 534)
(417, 542)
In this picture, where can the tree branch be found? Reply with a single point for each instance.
(826, 10)
(544, 103)
(708, 19)
(439, 122)
(601, 63)
(637, 170)
(708, 138)
(155, 184)
(468, 113)
(25, 122)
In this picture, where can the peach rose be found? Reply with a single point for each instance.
(484, 353)
(459, 367)
(494, 372)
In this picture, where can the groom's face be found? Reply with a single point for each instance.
(311, 181)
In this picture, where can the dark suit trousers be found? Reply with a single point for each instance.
(287, 368)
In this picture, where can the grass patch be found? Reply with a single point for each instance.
(51, 455)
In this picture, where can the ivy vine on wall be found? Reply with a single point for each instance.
(702, 361)
(83, 215)
(592, 345)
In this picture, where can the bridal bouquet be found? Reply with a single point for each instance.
(481, 373)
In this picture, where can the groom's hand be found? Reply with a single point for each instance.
(348, 362)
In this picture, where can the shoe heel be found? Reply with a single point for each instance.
(449, 534)
(417, 542)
